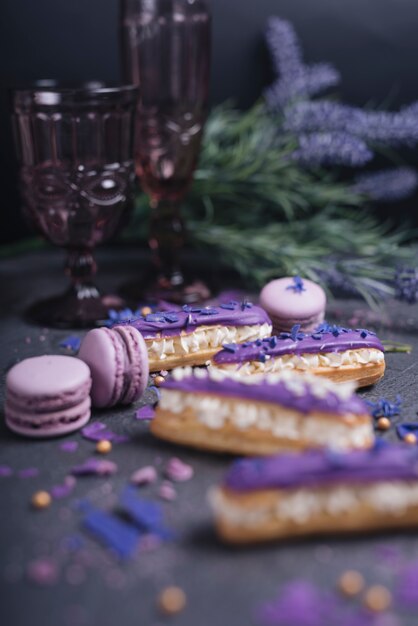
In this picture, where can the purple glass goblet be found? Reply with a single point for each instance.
(166, 51)
(75, 147)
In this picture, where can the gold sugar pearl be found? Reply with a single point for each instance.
(377, 598)
(146, 311)
(410, 438)
(103, 446)
(41, 500)
(159, 380)
(383, 423)
(171, 600)
(351, 583)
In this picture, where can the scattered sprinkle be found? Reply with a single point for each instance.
(146, 412)
(28, 472)
(229, 306)
(178, 471)
(384, 408)
(43, 572)
(377, 598)
(157, 392)
(104, 446)
(120, 537)
(145, 514)
(98, 467)
(97, 431)
(209, 311)
(41, 500)
(167, 492)
(230, 347)
(144, 475)
(146, 310)
(383, 423)
(159, 380)
(68, 446)
(171, 600)
(5, 471)
(71, 343)
(298, 285)
(407, 588)
(64, 489)
(351, 583)
(407, 431)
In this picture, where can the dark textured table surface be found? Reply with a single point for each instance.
(224, 586)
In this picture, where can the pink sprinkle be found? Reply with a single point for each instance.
(145, 413)
(43, 572)
(99, 467)
(167, 492)
(178, 471)
(5, 471)
(144, 475)
(164, 372)
(69, 446)
(28, 339)
(28, 472)
(95, 431)
(63, 490)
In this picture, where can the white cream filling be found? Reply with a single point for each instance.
(215, 412)
(348, 358)
(205, 338)
(389, 497)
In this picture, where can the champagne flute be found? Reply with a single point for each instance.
(166, 46)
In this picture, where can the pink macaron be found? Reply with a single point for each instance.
(48, 396)
(293, 300)
(118, 361)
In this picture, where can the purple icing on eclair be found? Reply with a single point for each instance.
(171, 323)
(325, 338)
(305, 394)
(315, 468)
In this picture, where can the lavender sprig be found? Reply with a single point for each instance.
(296, 80)
(406, 284)
(387, 185)
(332, 149)
(389, 128)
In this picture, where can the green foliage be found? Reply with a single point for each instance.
(265, 216)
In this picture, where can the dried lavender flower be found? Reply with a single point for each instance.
(387, 185)
(332, 149)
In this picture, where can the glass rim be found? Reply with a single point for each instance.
(50, 93)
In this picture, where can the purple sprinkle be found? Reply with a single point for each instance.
(229, 306)
(167, 492)
(407, 589)
(63, 490)
(43, 572)
(146, 412)
(71, 343)
(144, 475)
(178, 471)
(406, 428)
(97, 431)
(98, 467)
(230, 347)
(272, 341)
(209, 311)
(146, 515)
(29, 472)
(157, 392)
(114, 533)
(68, 446)
(155, 317)
(5, 471)
(171, 317)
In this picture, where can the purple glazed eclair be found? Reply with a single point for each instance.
(338, 353)
(264, 414)
(318, 492)
(194, 334)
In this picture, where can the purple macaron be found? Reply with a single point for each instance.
(293, 300)
(47, 396)
(118, 360)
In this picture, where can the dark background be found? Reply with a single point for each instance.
(374, 44)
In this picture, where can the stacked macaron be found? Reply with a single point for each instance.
(118, 361)
(47, 396)
(292, 301)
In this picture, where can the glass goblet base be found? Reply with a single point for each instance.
(81, 306)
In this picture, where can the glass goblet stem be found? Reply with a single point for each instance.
(81, 267)
(166, 240)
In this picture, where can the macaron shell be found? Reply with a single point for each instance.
(49, 424)
(280, 300)
(138, 363)
(47, 378)
(306, 325)
(103, 353)
(38, 404)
